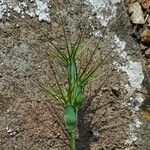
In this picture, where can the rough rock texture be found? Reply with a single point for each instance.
(31, 122)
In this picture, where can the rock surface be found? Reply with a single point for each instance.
(32, 120)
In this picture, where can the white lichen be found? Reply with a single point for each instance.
(106, 10)
(3, 8)
(135, 77)
(137, 122)
(40, 9)
(120, 47)
(30, 12)
(132, 138)
(97, 33)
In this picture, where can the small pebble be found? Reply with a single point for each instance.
(145, 36)
(137, 16)
(94, 134)
(145, 4)
(11, 132)
(143, 47)
(147, 53)
(115, 90)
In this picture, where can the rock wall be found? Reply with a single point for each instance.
(28, 121)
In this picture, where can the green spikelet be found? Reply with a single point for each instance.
(79, 96)
(70, 118)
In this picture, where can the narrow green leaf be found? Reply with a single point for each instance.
(52, 93)
(65, 38)
(84, 46)
(92, 75)
(89, 61)
(78, 42)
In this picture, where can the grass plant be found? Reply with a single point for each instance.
(72, 97)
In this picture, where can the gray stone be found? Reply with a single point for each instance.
(137, 16)
(94, 133)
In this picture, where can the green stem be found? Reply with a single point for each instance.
(72, 140)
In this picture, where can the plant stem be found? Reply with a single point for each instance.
(72, 140)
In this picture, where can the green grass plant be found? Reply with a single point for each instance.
(72, 97)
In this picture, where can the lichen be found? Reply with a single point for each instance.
(3, 8)
(37, 8)
(106, 10)
(135, 77)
